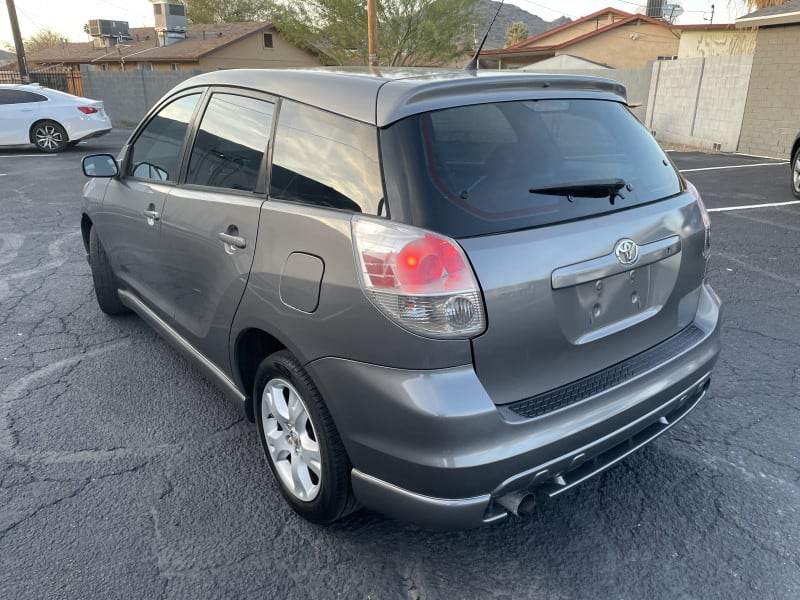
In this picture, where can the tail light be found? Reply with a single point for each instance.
(88, 110)
(706, 220)
(420, 280)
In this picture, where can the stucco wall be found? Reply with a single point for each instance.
(628, 47)
(696, 44)
(250, 53)
(772, 115)
(699, 101)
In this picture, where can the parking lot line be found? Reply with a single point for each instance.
(748, 206)
(27, 155)
(734, 167)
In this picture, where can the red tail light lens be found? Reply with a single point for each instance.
(420, 280)
(88, 110)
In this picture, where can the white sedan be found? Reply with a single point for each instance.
(52, 120)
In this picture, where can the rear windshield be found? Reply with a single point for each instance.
(498, 167)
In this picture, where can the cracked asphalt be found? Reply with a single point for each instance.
(125, 474)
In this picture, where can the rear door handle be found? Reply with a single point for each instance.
(234, 241)
(152, 216)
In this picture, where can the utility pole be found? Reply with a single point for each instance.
(23, 65)
(372, 32)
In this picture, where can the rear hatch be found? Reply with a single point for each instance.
(587, 246)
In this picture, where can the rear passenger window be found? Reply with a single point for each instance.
(325, 160)
(231, 142)
(20, 97)
(156, 151)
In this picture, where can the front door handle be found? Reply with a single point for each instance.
(233, 241)
(152, 216)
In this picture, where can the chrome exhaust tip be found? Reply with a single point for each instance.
(520, 504)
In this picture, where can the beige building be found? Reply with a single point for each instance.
(609, 37)
(206, 47)
(715, 40)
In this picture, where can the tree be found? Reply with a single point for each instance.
(517, 32)
(409, 31)
(44, 38)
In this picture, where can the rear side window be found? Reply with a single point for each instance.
(156, 151)
(326, 160)
(230, 143)
(20, 97)
(498, 167)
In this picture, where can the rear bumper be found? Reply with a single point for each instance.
(432, 448)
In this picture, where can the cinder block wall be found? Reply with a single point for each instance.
(699, 101)
(129, 95)
(772, 115)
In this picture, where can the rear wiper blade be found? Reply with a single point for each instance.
(600, 188)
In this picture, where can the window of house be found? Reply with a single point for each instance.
(144, 66)
(268, 43)
(175, 66)
(231, 142)
(326, 160)
(156, 152)
(104, 67)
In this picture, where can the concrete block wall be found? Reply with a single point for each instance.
(129, 95)
(699, 101)
(772, 115)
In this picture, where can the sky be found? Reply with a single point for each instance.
(68, 16)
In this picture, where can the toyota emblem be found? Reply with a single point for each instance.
(626, 251)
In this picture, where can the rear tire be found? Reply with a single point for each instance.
(300, 440)
(796, 173)
(49, 136)
(105, 284)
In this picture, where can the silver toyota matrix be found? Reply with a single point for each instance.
(440, 295)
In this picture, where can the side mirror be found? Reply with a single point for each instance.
(100, 165)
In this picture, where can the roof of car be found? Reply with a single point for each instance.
(383, 96)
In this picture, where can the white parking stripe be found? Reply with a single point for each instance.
(748, 206)
(735, 167)
(2, 156)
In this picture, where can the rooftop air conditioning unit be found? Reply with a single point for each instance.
(170, 17)
(103, 28)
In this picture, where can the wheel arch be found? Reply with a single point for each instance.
(795, 147)
(86, 228)
(252, 346)
(38, 121)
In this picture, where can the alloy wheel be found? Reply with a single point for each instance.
(48, 137)
(291, 439)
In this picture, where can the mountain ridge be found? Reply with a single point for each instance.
(484, 11)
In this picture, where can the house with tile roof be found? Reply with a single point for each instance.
(206, 47)
(609, 36)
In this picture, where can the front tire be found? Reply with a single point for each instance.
(105, 284)
(49, 136)
(300, 440)
(796, 174)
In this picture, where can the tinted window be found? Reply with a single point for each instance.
(487, 168)
(231, 142)
(156, 151)
(324, 159)
(20, 97)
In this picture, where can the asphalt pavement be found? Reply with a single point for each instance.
(125, 474)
